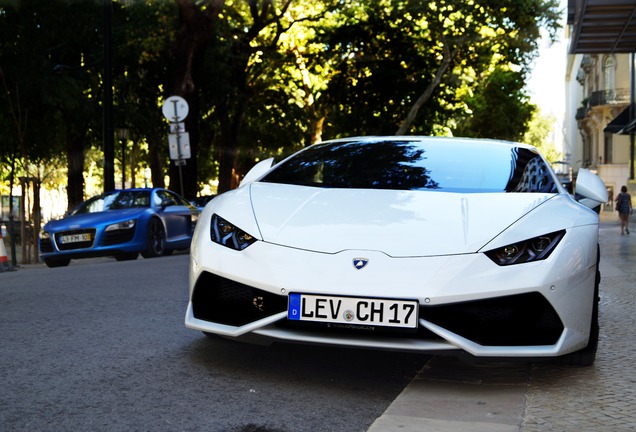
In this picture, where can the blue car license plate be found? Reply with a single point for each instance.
(75, 238)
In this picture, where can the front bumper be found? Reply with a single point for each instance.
(539, 309)
(99, 243)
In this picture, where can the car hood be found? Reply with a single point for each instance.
(91, 220)
(398, 223)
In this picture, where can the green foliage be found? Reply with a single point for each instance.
(539, 134)
(267, 77)
(379, 55)
(50, 85)
(500, 108)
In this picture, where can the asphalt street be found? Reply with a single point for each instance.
(101, 345)
(115, 356)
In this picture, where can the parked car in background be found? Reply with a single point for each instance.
(200, 201)
(122, 223)
(423, 244)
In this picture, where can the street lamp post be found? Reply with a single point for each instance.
(122, 134)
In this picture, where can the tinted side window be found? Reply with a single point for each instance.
(168, 198)
(529, 173)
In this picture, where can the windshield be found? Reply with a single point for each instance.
(115, 201)
(437, 165)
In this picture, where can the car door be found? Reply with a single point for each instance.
(176, 214)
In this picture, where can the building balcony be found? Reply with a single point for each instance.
(581, 112)
(609, 97)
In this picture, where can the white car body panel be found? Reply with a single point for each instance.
(305, 219)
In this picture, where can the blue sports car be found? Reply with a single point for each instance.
(121, 223)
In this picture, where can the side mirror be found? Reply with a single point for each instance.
(590, 189)
(166, 203)
(257, 171)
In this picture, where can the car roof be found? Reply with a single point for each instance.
(426, 138)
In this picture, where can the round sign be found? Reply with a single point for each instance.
(175, 109)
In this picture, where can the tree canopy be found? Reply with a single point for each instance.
(262, 78)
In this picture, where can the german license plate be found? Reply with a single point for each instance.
(353, 310)
(74, 238)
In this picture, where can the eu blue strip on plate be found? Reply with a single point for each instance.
(293, 312)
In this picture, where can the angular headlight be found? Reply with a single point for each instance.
(121, 225)
(534, 249)
(226, 234)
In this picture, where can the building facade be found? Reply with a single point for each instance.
(600, 125)
(597, 93)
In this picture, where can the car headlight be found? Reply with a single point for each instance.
(534, 249)
(121, 225)
(226, 234)
(44, 235)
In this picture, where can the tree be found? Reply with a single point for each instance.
(374, 56)
(262, 77)
(195, 34)
(466, 30)
(247, 53)
(143, 34)
(539, 134)
(500, 108)
(50, 75)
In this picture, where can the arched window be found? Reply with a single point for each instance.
(609, 74)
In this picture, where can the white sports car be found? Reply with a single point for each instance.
(436, 245)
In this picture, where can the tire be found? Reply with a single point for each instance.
(155, 240)
(129, 256)
(587, 355)
(57, 262)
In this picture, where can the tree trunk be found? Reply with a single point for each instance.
(227, 151)
(196, 32)
(75, 162)
(317, 126)
(446, 61)
(156, 161)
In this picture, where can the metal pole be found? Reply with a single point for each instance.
(109, 141)
(632, 115)
(123, 163)
(179, 160)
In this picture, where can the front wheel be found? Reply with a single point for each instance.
(155, 240)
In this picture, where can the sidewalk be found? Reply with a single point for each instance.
(18, 253)
(450, 396)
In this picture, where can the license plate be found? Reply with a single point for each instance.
(74, 238)
(353, 310)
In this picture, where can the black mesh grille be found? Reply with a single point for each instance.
(46, 245)
(75, 245)
(224, 301)
(520, 320)
(118, 236)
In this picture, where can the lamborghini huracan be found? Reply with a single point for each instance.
(426, 244)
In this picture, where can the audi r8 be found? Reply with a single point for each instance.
(121, 223)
